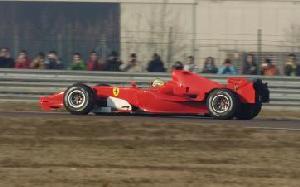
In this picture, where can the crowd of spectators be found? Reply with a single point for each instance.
(51, 60)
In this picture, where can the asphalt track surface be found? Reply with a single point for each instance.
(257, 123)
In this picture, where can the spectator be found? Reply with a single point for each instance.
(94, 62)
(38, 62)
(5, 60)
(190, 65)
(133, 65)
(227, 68)
(53, 61)
(77, 63)
(156, 65)
(249, 66)
(113, 62)
(268, 68)
(178, 66)
(290, 65)
(209, 66)
(22, 60)
(298, 70)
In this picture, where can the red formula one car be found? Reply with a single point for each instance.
(186, 94)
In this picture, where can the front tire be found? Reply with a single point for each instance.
(79, 99)
(222, 104)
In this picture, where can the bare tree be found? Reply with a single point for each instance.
(162, 32)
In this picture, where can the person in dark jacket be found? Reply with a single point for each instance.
(53, 61)
(156, 65)
(298, 70)
(249, 66)
(113, 62)
(178, 66)
(5, 60)
(210, 66)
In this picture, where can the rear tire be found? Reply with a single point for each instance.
(248, 111)
(79, 99)
(222, 104)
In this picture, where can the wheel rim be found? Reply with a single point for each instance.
(221, 103)
(76, 98)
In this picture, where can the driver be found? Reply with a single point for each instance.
(158, 83)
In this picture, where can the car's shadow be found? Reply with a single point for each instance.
(155, 115)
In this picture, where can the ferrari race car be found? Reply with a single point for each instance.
(186, 93)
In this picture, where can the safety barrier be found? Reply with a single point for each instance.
(29, 85)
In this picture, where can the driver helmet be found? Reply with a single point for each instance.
(158, 83)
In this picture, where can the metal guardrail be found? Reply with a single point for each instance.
(29, 85)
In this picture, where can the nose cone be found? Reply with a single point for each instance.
(44, 103)
(54, 101)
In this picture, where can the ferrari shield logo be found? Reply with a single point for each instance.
(116, 91)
